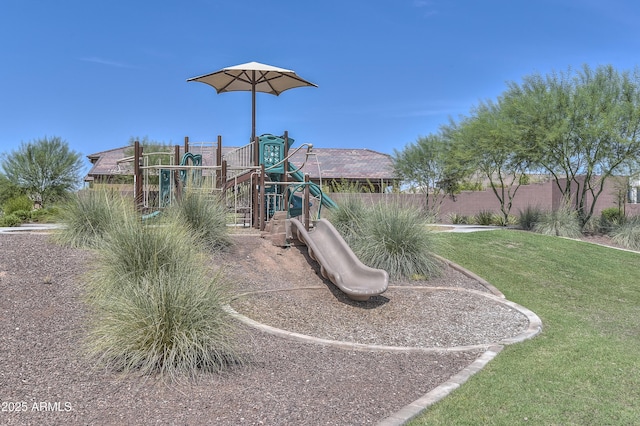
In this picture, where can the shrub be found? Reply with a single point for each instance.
(458, 219)
(611, 218)
(628, 234)
(45, 215)
(157, 306)
(19, 203)
(396, 240)
(136, 248)
(562, 222)
(484, 218)
(205, 217)
(10, 220)
(431, 215)
(89, 215)
(592, 226)
(500, 220)
(348, 217)
(528, 218)
(23, 215)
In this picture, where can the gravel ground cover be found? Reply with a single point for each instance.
(46, 379)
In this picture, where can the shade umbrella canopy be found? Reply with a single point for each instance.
(253, 77)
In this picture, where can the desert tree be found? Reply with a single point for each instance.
(485, 143)
(423, 167)
(581, 127)
(46, 169)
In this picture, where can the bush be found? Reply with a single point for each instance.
(348, 217)
(205, 217)
(396, 239)
(562, 222)
(157, 306)
(528, 218)
(19, 203)
(611, 218)
(458, 219)
(89, 215)
(500, 220)
(484, 218)
(45, 215)
(10, 220)
(23, 215)
(628, 234)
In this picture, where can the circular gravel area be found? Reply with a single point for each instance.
(415, 317)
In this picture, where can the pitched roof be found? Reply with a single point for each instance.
(329, 163)
(344, 163)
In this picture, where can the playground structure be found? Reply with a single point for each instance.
(260, 187)
(254, 181)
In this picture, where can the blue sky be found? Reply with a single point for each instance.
(98, 72)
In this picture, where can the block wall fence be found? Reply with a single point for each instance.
(545, 196)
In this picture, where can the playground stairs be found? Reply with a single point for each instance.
(276, 230)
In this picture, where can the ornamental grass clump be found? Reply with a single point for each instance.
(348, 217)
(157, 307)
(205, 218)
(529, 217)
(484, 218)
(562, 222)
(396, 239)
(628, 234)
(88, 215)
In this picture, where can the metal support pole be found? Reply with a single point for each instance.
(137, 174)
(219, 175)
(285, 175)
(262, 199)
(305, 205)
(176, 173)
(256, 151)
(223, 177)
(254, 200)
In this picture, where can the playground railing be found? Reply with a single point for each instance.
(239, 160)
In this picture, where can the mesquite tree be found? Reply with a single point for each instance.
(46, 169)
(581, 128)
(485, 143)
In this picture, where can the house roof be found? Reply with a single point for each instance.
(328, 163)
(343, 163)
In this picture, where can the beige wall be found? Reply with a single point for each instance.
(546, 196)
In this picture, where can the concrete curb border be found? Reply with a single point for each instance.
(534, 328)
(414, 409)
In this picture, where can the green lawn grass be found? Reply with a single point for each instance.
(584, 369)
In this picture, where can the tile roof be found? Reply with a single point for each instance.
(344, 163)
(332, 163)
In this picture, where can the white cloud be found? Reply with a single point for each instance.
(427, 6)
(101, 61)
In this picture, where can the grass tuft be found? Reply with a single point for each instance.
(396, 239)
(349, 216)
(169, 321)
(205, 217)
(157, 306)
(89, 215)
(484, 218)
(528, 217)
(628, 234)
(562, 222)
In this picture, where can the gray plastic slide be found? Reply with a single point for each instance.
(337, 261)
